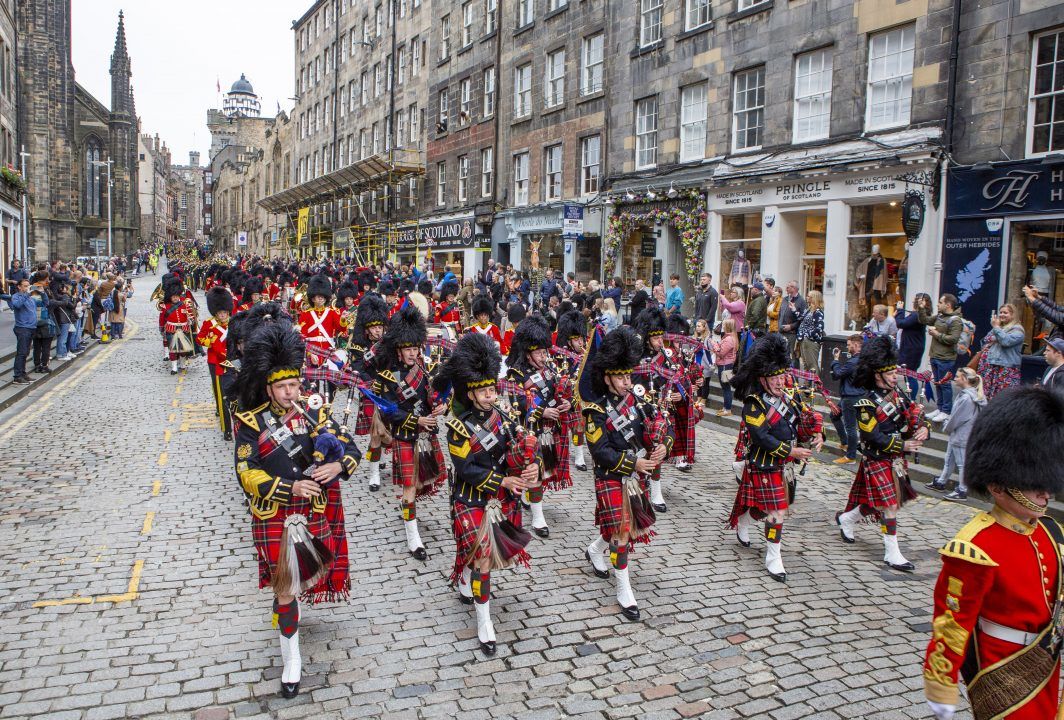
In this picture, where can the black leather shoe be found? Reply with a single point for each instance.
(904, 567)
(581, 467)
(631, 612)
(289, 690)
(740, 540)
(465, 600)
(847, 540)
(228, 436)
(659, 507)
(488, 648)
(542, 532)
(684, 468)
(420, 554)
(598, 573)
(778, 577)
(374, 488)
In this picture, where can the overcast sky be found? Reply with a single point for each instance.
(180, 51)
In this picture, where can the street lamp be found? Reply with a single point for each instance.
(107, 164)
(25, 210)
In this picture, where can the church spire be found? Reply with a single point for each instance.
(120, 57)
(121, 103)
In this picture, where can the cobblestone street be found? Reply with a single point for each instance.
(129, 587)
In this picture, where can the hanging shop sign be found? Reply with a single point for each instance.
(452, 234)
(572, 221)
(1009, 188)
(912, 214)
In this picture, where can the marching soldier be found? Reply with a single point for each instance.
(347, 304)
(570, 336)
(175, 322)
(775, 422)
(494, 462)
(997, 605)
(320, 324)
(289, 462)
(212, 335)
(447, 310)
(370, 320)
(482, 311)
(889, 425)
(628, 438)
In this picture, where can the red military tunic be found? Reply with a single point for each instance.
(1005, 571)
(320, 328)
(491, 330)
(212, 335)
(448, 313)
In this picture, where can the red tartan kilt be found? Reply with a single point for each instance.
(466, 523)
(764, 490)
(609, 508)
(562, 476)
(573, 423)
(327, 527)
(683, 445)
(874, 486)
(365, 416)
(404, 467)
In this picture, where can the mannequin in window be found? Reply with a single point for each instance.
(872, 278)
(740, 270)
(1043, 278)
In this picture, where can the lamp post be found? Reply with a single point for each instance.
(25, 210)
(108, 165)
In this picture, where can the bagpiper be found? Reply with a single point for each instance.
(628, 438)
(213, 335)
(411, 417)
(370, 320)
(997, 604)
(289, 461)
(482, 312)
(175, 323)
(571, 336)
(775, 422)
(889, 425)
(530, 366)
(495, 460)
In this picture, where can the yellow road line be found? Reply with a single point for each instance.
(163, 459)
(156, 487)
(173, 403)
(166, 435)
(171, 418)
(131, 593)
(148, 519)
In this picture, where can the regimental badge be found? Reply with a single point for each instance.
(244, 451)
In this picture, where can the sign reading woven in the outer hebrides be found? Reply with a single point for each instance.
(971, 269)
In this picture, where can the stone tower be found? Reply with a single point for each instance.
(123, 133)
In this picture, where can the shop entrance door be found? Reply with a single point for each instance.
(812, 274)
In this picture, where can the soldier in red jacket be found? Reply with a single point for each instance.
(213, 334)
(997, 600)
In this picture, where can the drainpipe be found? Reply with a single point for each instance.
(951, 85)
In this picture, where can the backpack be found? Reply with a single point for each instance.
(108, 303)
(964, 344)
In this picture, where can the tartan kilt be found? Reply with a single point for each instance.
(684, 421)
(764, 490)
(327, 526)
(874, 487)
(465, 524)
(609, 509)
(404, 467)
(573, 424)
(562, 476)
(366, 408)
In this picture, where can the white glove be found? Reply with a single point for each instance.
(942, 711)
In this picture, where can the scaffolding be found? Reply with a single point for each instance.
(368, 241)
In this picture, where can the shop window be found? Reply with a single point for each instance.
(1045, 113)
(551, 251)
(740, 249)
(1036, 258)
(638, 255)
(874, 278)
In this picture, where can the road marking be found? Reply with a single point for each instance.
(163, 459)
(177, 390)
(173, 403)
(156, 487)
(131, 593)
(171, 418)
(148, 519)
(166, 435)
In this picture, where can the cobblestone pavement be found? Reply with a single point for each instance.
(129, 587)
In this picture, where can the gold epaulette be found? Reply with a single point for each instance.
(864, 402)
(250, 417)
(588, 406)
(458, 426)
(962, 546)
(388, 375)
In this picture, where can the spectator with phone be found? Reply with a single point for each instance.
(999, 361)
(913, 340)
(849, 394)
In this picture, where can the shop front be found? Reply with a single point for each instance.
(838, 233)
(1004, 229)
(450, 243)
(562, 245)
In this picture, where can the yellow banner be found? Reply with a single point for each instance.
(303, 222)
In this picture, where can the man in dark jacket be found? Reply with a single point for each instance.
(849, 394)
(757, 310)
(913, 338)
(1047, 310)
(792, 308)
(548, 287)
(639, 300)
(706, 300)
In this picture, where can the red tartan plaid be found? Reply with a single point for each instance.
(365, 416)
(573, 423)
(760, 489)
(810, 423)
(327, 527)
(562, 476)
(466, 523)
(683, 445)
(404, 467)
(874, 487)
(609, 509)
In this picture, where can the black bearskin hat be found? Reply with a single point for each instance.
(515, 313)
(617, 354)
(677, 324)
(482, 305)
(172, 285)
(406, 329)
(272, 353)
(265, 313)
(346, 290)
(767, 358)
(372, 310)
(448, 290)
(234, 335)
(474, 363)
(387, 288)
(877, 355)
(650, 322)
(252, 286)
(319, 285)
(1017, 442)
(219, 299)
(366, 280)
(531, 334)
(425, 287)
(571, 324)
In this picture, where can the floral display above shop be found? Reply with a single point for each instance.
(651, 208)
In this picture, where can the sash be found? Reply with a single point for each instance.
(782, 408)
(408, 387)
(618, 420)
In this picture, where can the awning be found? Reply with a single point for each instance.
(371, 173)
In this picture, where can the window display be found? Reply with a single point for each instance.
(740, 249)
(877, 256)
(637, 256)
(1036, 258)
(551, 251)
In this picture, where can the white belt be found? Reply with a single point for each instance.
(1018, 637)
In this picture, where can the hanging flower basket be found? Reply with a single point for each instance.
(13, 178)
(689, 223)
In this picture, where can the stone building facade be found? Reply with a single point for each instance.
(189, 179)
(71, 137)
(153, 175)
(11, 191)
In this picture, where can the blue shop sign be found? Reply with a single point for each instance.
(1009, 188)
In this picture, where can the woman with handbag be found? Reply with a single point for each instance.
(811, 331)
(724, 358)
(999, 359)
